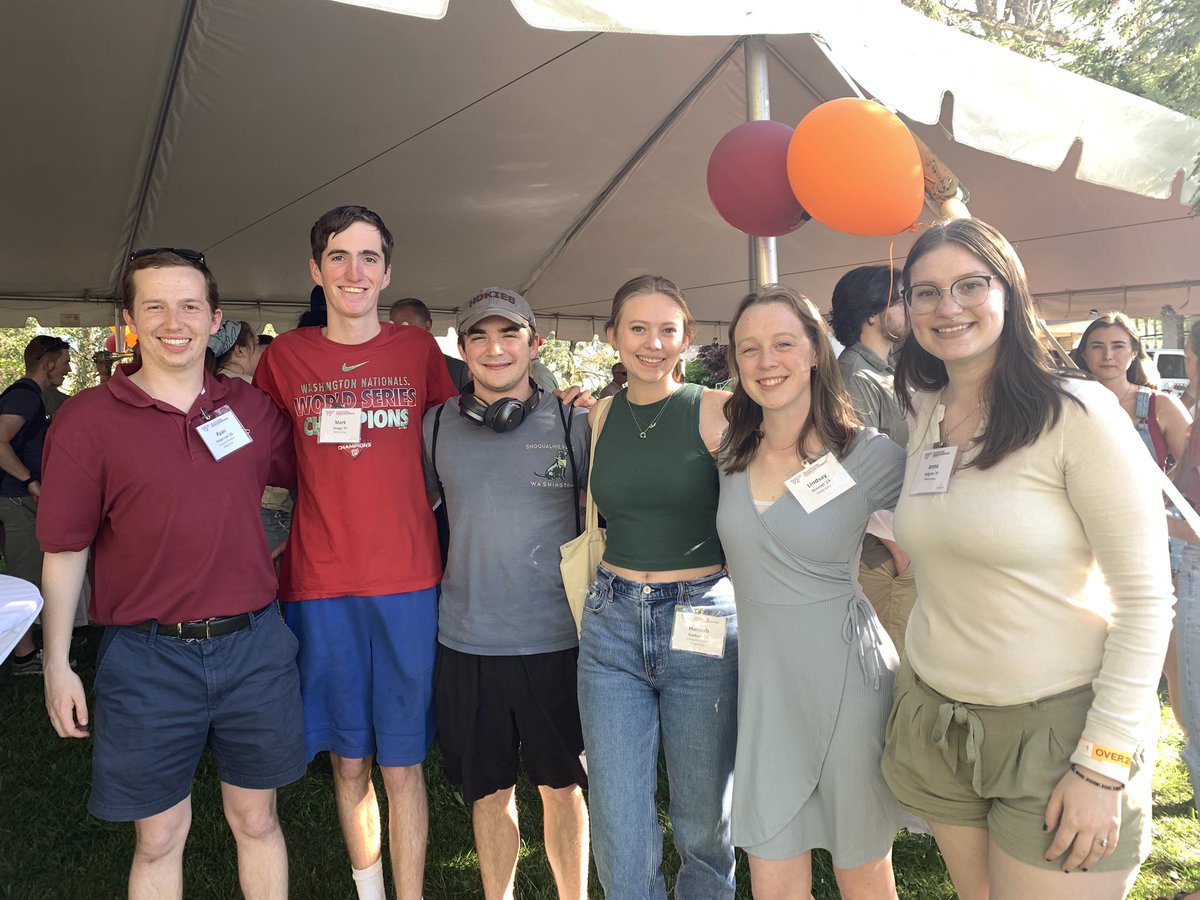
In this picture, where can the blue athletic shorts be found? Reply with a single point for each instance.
(160, 700)
(366, 674)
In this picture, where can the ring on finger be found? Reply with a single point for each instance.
(1103, 842)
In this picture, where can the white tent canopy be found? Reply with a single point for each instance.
(501, 153)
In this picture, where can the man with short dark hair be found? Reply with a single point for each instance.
(411, 311)
(160, 470)
(868, 318)
(362, 562)
(23, 423)
(508, 649)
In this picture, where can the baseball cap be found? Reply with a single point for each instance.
(496, 301)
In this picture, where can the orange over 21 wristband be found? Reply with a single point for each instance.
(1106, 760)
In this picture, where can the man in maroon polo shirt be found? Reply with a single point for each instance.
(160, 470)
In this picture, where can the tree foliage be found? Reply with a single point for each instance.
(1147, 47)
(584, 363)
(709, 367)
(84, 344)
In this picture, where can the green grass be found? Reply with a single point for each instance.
(52, 849)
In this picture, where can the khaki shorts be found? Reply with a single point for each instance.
(893, 597)
(995, 767)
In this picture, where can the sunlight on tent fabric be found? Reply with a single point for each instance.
(676, 16)
(425, 9)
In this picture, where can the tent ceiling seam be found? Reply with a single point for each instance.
(160, 129)
(598, 202)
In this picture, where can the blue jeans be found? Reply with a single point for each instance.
(631, 685)
(1187, 652)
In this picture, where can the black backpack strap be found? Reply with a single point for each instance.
(566, 420)
(437, 425)
(34, 423)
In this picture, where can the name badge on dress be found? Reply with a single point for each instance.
(819, 482)
(223, 433)
(934, 471)
(695, 632)
(340, 426)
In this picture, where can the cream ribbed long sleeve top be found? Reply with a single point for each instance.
(1045, 572)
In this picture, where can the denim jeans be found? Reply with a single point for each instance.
(1187, 652)
(631, 685)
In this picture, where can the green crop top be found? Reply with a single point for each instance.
(658, 493)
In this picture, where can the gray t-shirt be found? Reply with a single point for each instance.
(511, 504)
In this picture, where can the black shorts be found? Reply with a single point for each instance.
(490, 707)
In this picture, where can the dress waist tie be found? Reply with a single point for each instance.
(861, 630)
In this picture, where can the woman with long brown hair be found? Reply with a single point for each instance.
(800, 478)
(1025, 713)
(1111, 352)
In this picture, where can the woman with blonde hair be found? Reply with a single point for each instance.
(1025, 713)
(658, 653)
(800, 478)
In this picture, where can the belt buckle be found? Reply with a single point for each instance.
(207, 623)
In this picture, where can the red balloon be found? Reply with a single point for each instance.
(855, 167)
(748, 181)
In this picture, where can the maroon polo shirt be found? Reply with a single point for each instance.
(177, 534)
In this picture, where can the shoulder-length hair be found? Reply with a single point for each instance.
(1023, 394)
(830, 412)
(1136, 373)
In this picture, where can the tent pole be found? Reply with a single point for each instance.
(764, 264)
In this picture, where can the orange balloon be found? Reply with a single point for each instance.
(854, 166)
(110, 342)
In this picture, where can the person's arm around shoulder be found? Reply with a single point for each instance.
(713, 421)
(882, 468)
(66, 701)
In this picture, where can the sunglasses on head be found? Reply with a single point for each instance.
(191, 255)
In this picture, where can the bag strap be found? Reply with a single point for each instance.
(34, 423)
(566, 416)
(591, 517)
(437, 426)
(1181, 503)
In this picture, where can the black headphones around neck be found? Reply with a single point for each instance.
(506, 414)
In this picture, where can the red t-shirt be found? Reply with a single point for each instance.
(177, 534)
(362, 523)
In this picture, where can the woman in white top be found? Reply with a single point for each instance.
(1025, 714)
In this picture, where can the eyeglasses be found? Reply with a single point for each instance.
(967, 292)
(191, 255)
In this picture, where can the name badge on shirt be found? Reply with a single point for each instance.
(819, 482)
(223, 433)
(934, 470)
(695, 632)
(340, 426)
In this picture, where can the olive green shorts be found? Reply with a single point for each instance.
(995, 767)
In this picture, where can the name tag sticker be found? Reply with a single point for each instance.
(819, 482)
(223, 433)
(934, 470)
(340, 426)
(695, 632)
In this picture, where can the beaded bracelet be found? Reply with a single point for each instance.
(1099, 784)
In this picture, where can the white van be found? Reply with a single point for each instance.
(1172, 371)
